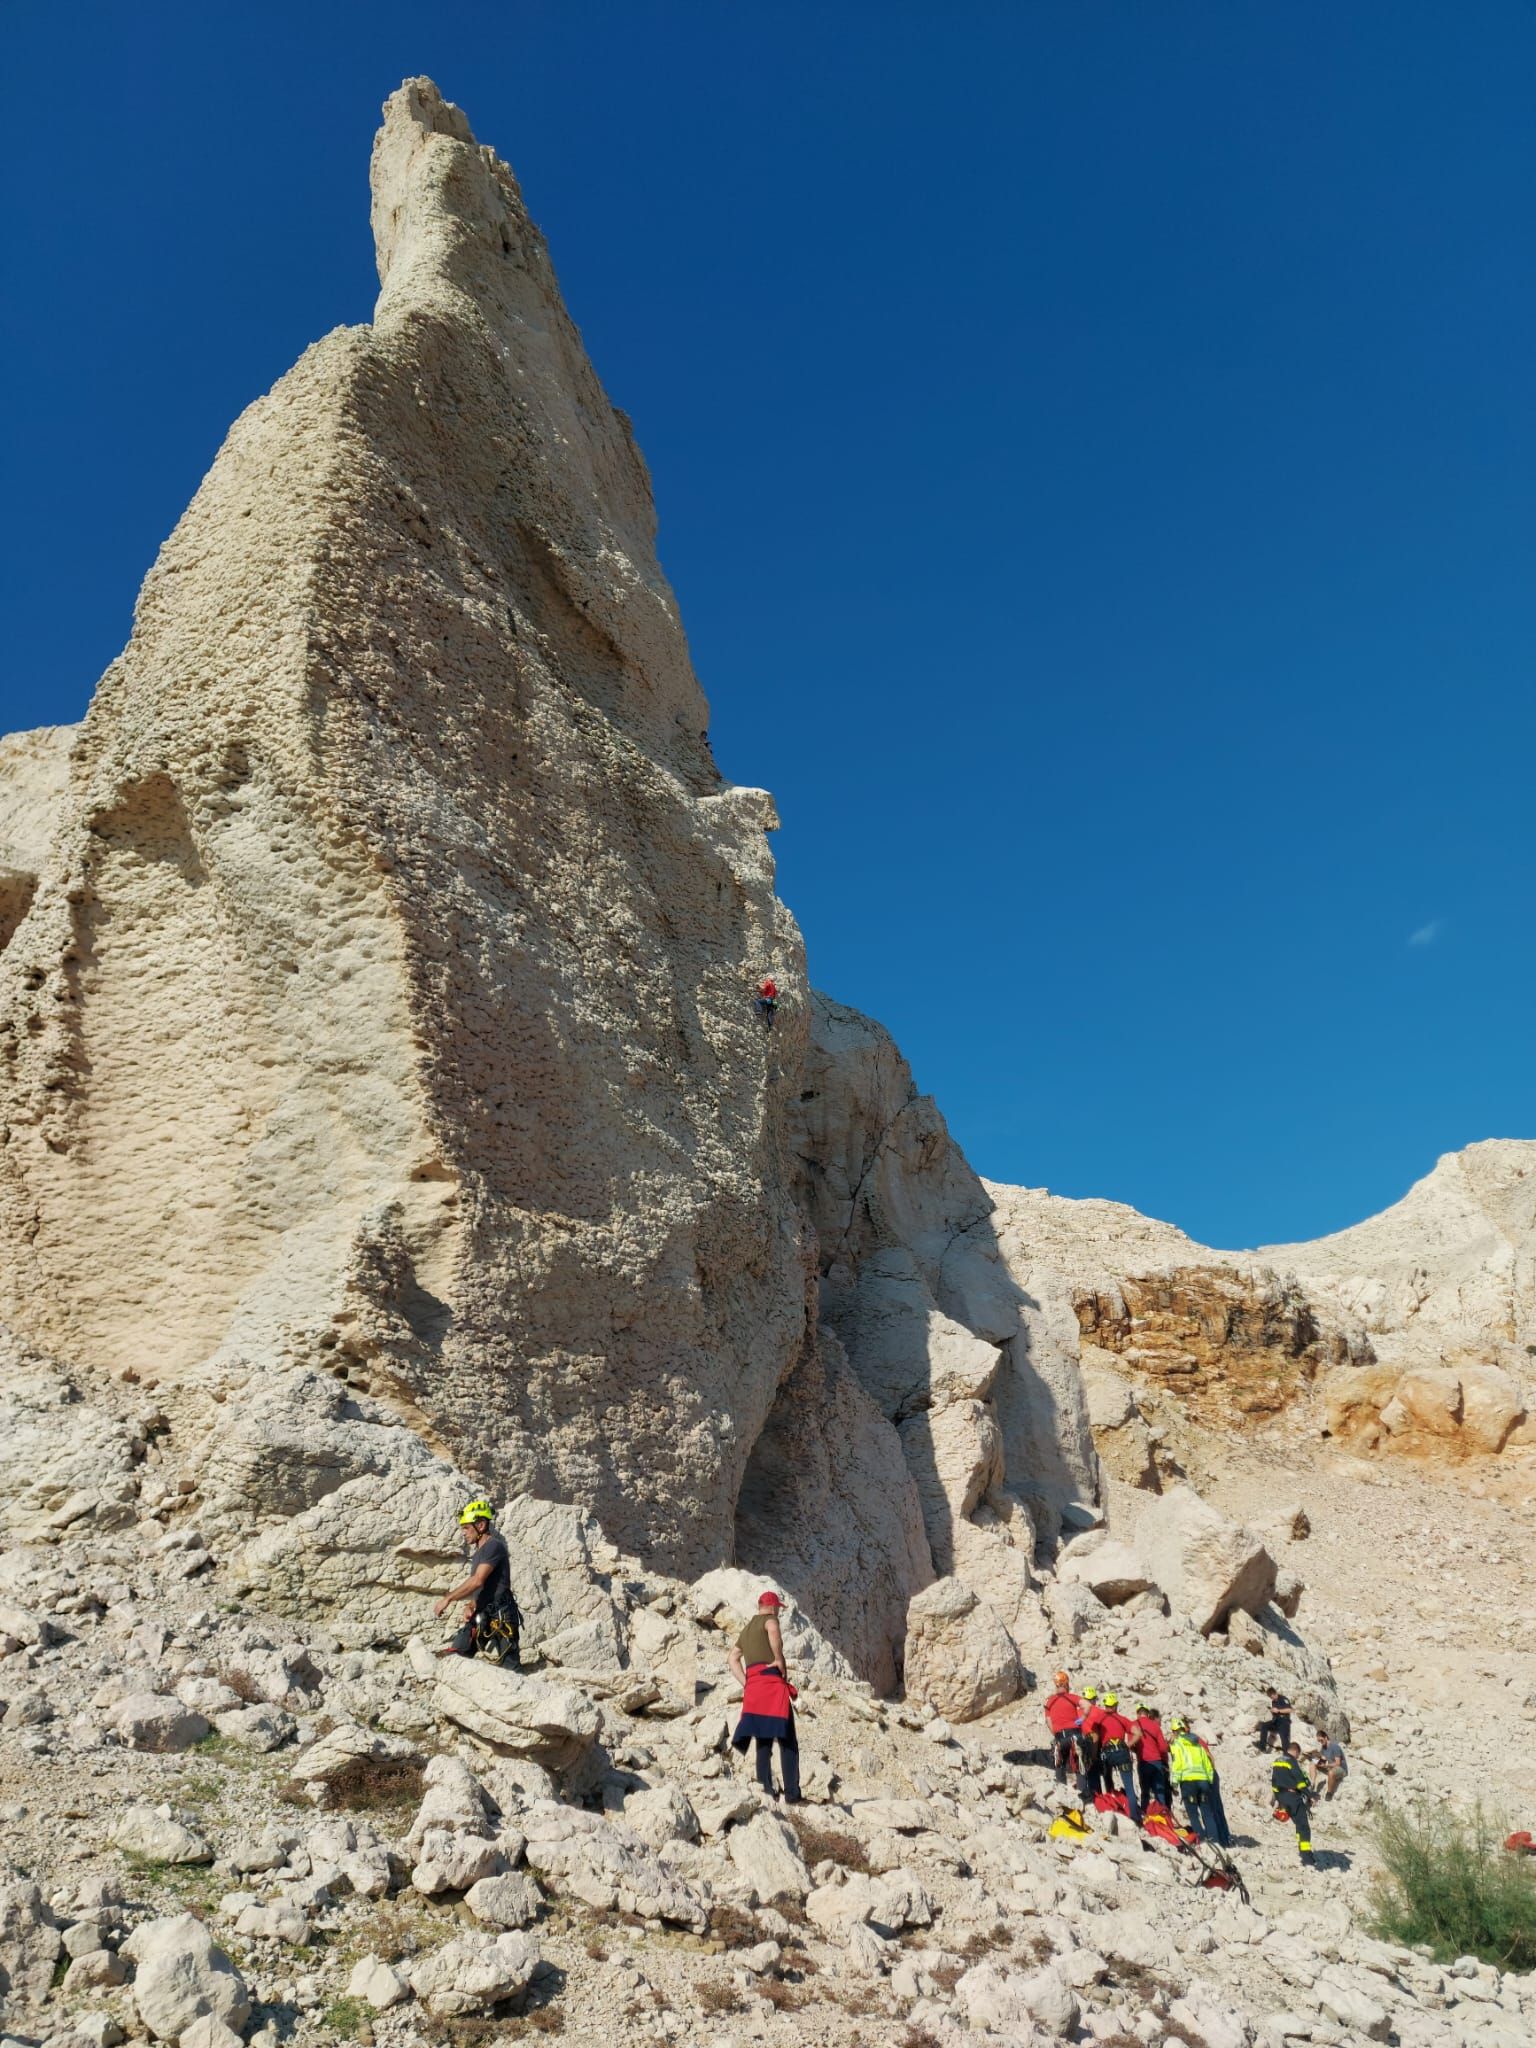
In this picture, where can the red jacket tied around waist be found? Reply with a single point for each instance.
(767, 1691)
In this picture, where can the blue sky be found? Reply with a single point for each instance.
(1094, 450)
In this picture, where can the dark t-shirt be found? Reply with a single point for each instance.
(497, 1589)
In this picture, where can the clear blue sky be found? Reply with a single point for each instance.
(1094, 448)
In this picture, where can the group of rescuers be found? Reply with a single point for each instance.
(1098, 1744)
(1090, 1737)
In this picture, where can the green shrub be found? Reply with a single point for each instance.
(1451, 1884)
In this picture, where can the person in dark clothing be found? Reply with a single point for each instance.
(1276, 1731)
(1293, 1797)
(492, 1624)
(767, 1699)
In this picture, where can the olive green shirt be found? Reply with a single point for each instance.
(753, 1643)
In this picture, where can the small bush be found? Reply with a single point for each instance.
(367, 1785)
(716, 1998)
(1450, 1884)
(349, 2017)
(817, 1842)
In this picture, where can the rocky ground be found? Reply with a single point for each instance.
(220, 1826)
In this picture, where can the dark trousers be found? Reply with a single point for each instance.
(1116, 1763)
(1300, 1814)
(1090, 1771)
(1153, 1780)
(1202, 1807)
(1276, 1730)
(1061, 1754)
(789, 1762)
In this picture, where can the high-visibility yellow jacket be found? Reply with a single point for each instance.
(1190, 1762)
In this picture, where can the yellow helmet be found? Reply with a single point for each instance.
(477, 1511)
(1111, 1699)
(1178, 1724)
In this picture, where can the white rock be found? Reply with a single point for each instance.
(96, 1969)
(263, 1728)
(1205, 1564)
(348, 1745)
(29, 1943)
(605, 1865)
(661, 1813)
(209, 2031)
(959, 1655)
(156, 1721)
(282, 1920)
(144, 1831)
(378, 1983)
(473, 1972)
(766, 1850)
(555, 1725)
(452, 1862)
(510, 1901)
(179, 1975)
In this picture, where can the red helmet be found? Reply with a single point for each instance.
(769, 1599)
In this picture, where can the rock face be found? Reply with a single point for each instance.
(395, 835)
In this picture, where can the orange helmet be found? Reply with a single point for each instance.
(1063, 1679)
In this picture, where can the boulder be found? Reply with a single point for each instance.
(453, 1861)
(95, 1969)
(888, 1903)
(1205, 1564)
(555, 1725)
(661, 1813)
(452, 1798)
(180, 1974)
(156, 1721)
(282, 1920)
(378, 1983)
(473, 1972)
(349, 1747)
(607, 1867)
(261, 1728)
(29, 1945)
(1016, 2002)
(513, 1900)
(959, 1655)
(209, 2031)
(767, 1853)
(1491, 1406)
(1112, 1571)
(148, 1832)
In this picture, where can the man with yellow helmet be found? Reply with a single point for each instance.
(492, 1625)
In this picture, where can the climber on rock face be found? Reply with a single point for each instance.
(766, 1002)
(492, 1624)
(767, 1699)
